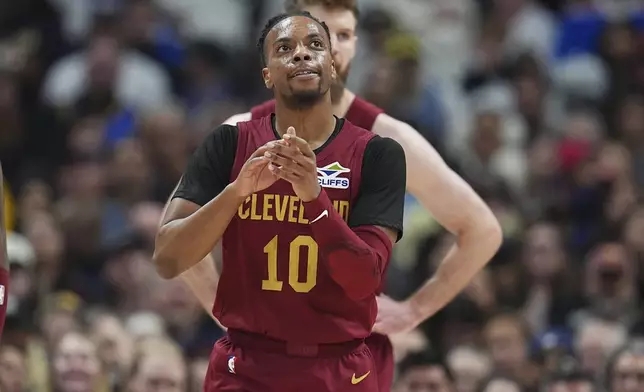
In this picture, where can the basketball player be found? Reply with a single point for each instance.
(307, 220)
(442, 192)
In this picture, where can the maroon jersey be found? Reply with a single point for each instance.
(361, 113)
(273, 281)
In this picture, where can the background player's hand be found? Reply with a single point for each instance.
(395, 317)
(293, 160)
(254, 175)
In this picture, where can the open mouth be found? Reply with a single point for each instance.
(304, 74)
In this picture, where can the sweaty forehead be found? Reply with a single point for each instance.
(295, 27)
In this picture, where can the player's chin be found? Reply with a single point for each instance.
(311, 82)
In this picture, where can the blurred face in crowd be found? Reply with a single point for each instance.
(595, 341)
(84, 181)
(382, 84)
(570, 386)
(129, 170)
(342, 26)
(487, 135)
(176, 304)
(502, 385)
(198, 370)
(628, 373)
(529, 95)
(506, 341)
(618, 41)
(139, 21)
(13, 370)
(160, 373)
(86, 138)
(542, 158)
(57, 323)
(631, 119)
(132, 274)
(114, 345)
(583, 127)
(145, 217)
(46, 238)
(610, 279)
(76, 365)
(469, 368)
(103, 56)
(425, 379)
(166, 142)
(633, 231)
(543, 254)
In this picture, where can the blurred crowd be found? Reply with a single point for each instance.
(539, 105)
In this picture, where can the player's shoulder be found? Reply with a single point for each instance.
(363, 113)
(224, 134)
(384, 146)
(366, 106)
(262, 110)
(355, 129)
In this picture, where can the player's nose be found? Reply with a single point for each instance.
(301, 53)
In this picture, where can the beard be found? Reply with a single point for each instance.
(338, 85)
(300, 100)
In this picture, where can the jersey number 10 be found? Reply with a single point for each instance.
(273, 284)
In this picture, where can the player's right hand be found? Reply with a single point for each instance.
(254, 175)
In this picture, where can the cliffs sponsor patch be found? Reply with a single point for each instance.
(330, 176)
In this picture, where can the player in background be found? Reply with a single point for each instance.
(449, 199)
(302, 258)
(4, 260)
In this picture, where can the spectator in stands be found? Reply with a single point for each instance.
(423, 373)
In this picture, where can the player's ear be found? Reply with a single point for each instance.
(334, 73)
(266, 75)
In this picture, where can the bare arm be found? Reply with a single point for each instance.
(190, 232)
(455, 205)
(203, 278)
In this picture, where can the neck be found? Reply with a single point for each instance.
(341, 106)
(314, 124)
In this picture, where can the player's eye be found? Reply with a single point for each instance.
(343, 36)
(317, 44)
(283, 48)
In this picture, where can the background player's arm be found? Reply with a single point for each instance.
(356, 254)
(4, 260)
(202, 207)
(455, 205)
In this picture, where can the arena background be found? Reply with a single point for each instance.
(538, 104)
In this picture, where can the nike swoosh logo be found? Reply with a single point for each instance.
(324, 214)
(358, 380)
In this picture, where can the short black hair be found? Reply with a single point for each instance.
(427, 358)
(277, 19)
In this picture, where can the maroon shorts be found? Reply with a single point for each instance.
(242, 362)
(383, 356)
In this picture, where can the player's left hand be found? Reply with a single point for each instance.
(293, 160)
(395, 317)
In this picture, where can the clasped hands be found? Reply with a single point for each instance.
(290, 159)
